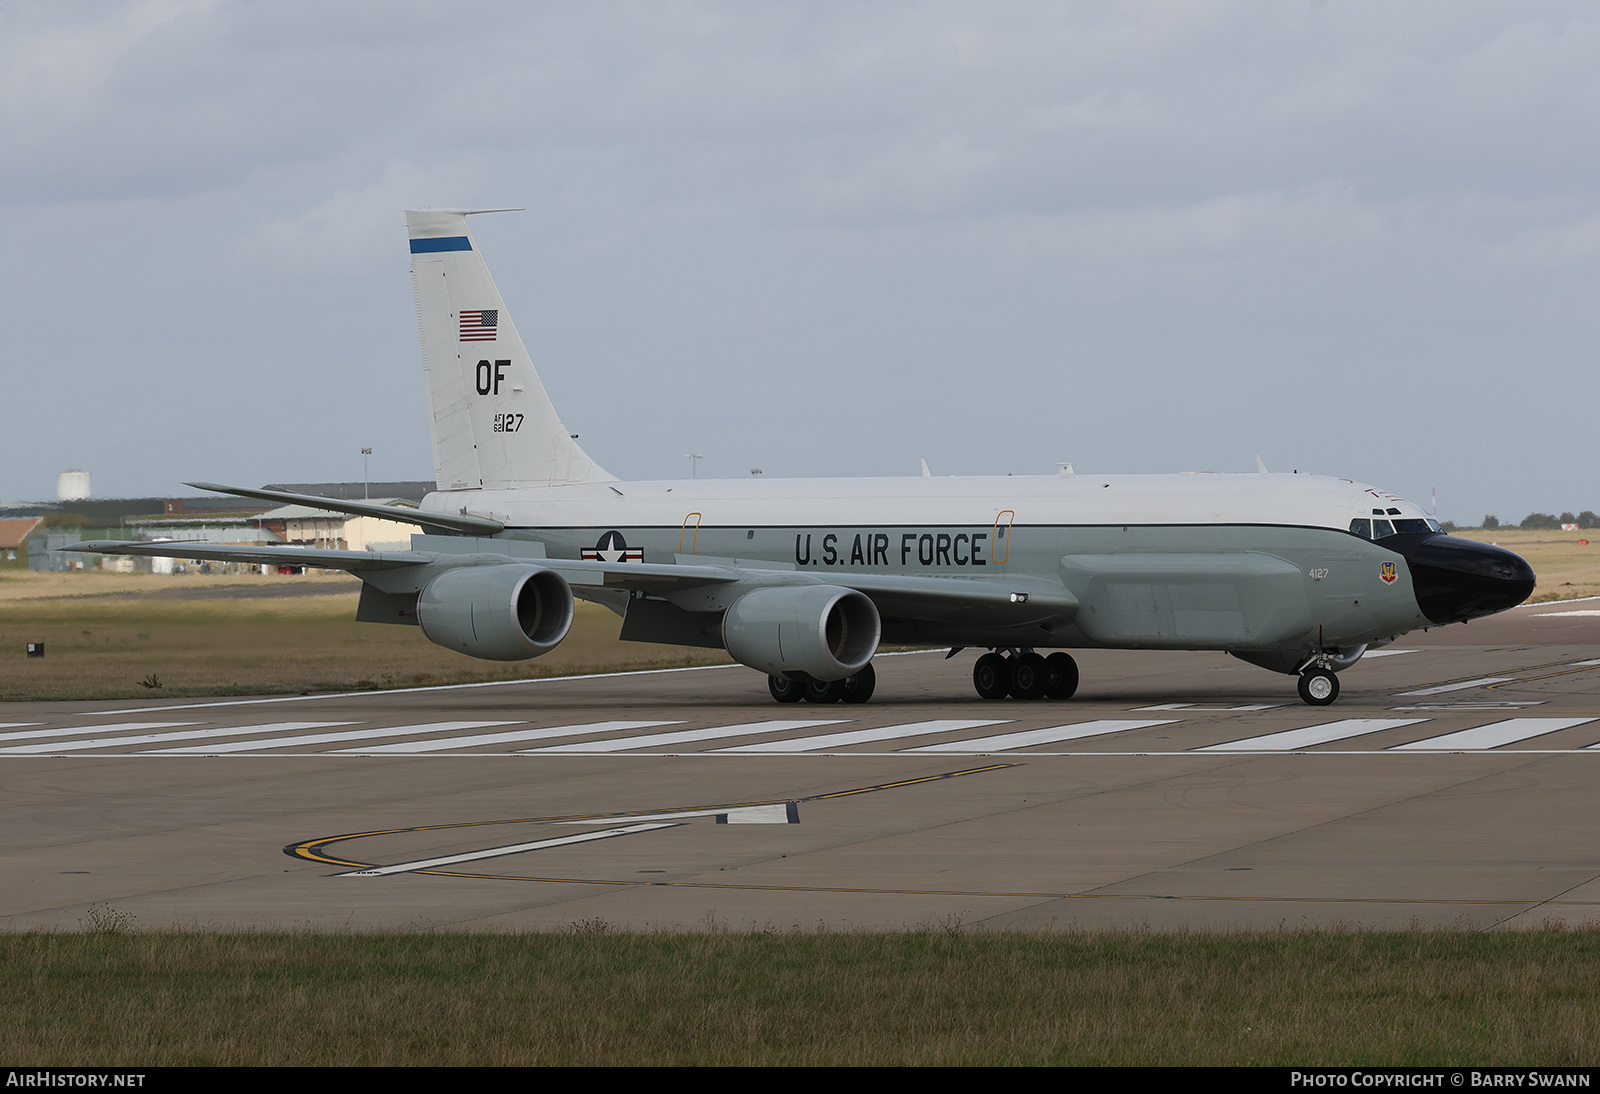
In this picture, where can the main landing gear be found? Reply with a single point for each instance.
(852, 689)
(1025, 675)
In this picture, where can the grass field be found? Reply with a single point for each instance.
(1566, 569)
(788, 997)
(105, 633)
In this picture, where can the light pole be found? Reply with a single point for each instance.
(695, 456)
(366, 454)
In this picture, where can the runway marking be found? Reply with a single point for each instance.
(1291, 740)
(1515, 705)
(413, 747)
(1208, 706)
(666, 740)
(860, 736)
(1004, 741)
(407, 691)
(312, 850)
(17, 725)
(1386, 653)
(512, 849)
(1563, 668)
(1460, 686)
(1495, 734)
(1549, 615)
(323, 738)
(78, 731)
(157, 738)
(1530, 902)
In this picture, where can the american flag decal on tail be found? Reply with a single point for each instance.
(480, 326)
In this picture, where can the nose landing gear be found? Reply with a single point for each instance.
(1319, 687)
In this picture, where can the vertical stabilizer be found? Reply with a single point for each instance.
(492, 422)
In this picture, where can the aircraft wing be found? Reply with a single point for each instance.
(945, 599)
(693, 586)
(616, 575)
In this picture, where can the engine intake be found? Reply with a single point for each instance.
(498, 613)
(806, 632)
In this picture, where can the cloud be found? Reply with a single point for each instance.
(1150, 231)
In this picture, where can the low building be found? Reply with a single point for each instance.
(46, 556)
(14, 535)
(301, 524)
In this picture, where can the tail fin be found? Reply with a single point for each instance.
(493, 424)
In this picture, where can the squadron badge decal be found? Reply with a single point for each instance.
(613, 548)
(1388, 574)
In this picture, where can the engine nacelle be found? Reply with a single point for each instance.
(498, 613)
(806, 632)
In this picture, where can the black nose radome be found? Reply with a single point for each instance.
(1459, 579)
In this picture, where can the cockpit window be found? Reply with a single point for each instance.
(1387, 524)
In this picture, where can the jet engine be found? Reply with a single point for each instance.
(498, 613)
(805, 632)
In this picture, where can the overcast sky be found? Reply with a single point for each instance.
(1361, 239)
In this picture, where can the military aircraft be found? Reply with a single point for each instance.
(804, 579)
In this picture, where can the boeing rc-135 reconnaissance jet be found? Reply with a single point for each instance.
(803, 579)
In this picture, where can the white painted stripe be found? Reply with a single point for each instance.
(1585, 664)
(158, 738)
(79, 731)
(1384, 653)
(1002, 742)
(1291, 739)
(329, 738)
(500, 738)
(859, 736)
(409, 691)
(1513, 705)
(496, 852)
(665, 740)
(18, 725)
(1495, 734)
(1549, 615)
(1208, 707)
(682, 814)
(1462, 686)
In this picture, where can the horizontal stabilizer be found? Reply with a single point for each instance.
(460, 525)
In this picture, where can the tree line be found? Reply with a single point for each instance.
(1546, 521)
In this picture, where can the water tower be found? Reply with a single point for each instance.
(72, 485)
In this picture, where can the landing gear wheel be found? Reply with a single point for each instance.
(1029, 676)
(858, 688)
(786, 690)
(820, 691)
(991, 676)
(1319, 687)
(1062, 672)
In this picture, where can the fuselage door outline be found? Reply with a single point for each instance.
(1000, 541)
(691, 532)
